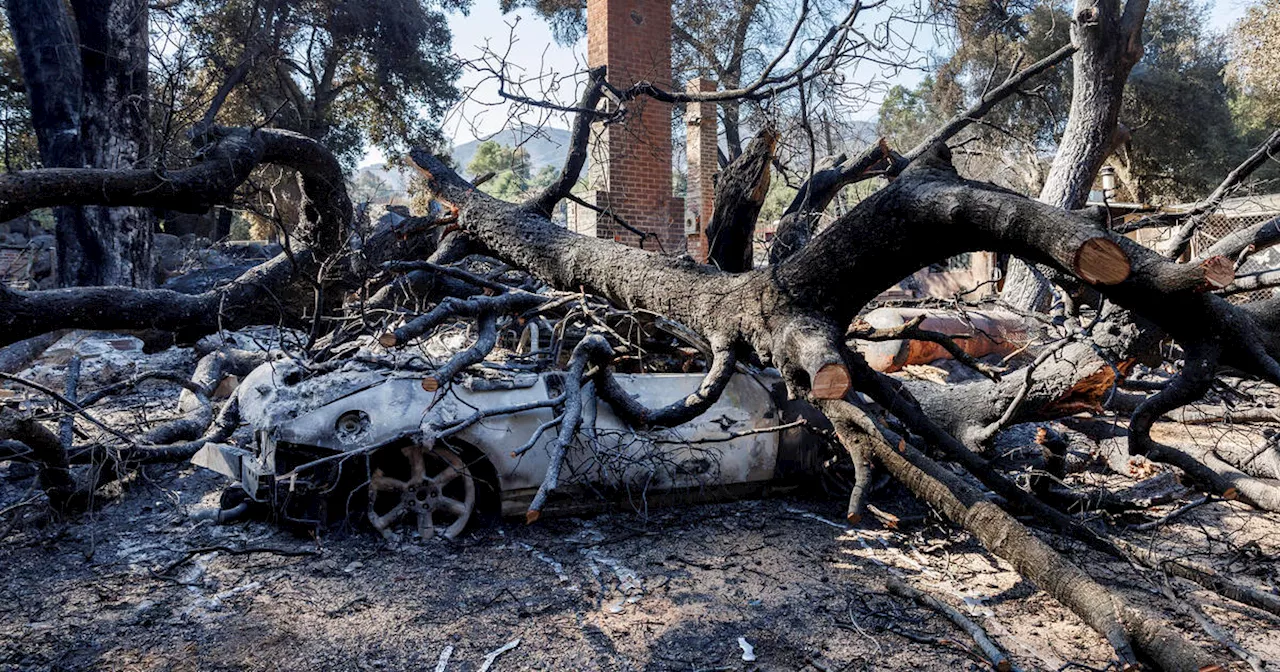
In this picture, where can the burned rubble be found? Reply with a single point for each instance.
(496, 432)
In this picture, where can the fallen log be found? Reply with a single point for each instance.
(1123, 625)
(975, 333)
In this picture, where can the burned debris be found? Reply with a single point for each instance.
(418, 374)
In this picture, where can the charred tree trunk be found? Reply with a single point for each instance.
(740, 193)
(86, 77)
(1110, 44)
(44, 36)
(1109, 41)
(114, 247)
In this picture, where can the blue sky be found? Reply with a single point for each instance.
(534, 50)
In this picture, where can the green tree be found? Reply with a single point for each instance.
(510, 166)
(1174, 155)
(346, 73)
(1168, 155)
(906, 114)
(16, 133)
(1254, 68)
(542, 179)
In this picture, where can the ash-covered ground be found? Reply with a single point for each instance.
(138, 585)
(779, 583)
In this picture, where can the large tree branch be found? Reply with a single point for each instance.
(235, 152)
(928, 214)
(279, 289)
(740, 193)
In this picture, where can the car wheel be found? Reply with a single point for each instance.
(429, 483)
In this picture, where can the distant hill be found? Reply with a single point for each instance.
(546, 146)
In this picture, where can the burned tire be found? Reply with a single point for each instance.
(427, 485)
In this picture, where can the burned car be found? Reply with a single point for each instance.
(365, 440)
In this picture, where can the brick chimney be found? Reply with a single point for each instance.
(703, 161)
(631, 161)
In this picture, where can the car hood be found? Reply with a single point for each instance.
(278, 392)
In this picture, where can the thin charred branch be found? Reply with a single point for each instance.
(1194, 216)
(619, 219)
(444, 269)
(445, 431)
(800, 219)
(1010, 412)
(989, 100)
(592, 349)
(1191, 383)
(255, 46)
(816, 194)
(990, 651)
(826, 54)
(1245, 241)
(421, 286)
(449, 308)
(579, 138)
(69, 405)
(486, 340)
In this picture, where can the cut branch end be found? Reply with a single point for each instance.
(832, 381)
(1219, 272)
(1100, 261)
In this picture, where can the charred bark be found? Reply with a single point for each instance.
(86, 77)
(740, 193)
(280, 289)
(114, 247)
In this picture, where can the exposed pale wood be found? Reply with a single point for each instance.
(1219, 272)
(832, 382)
(1100, 261)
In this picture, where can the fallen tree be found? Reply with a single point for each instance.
(793, 315)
